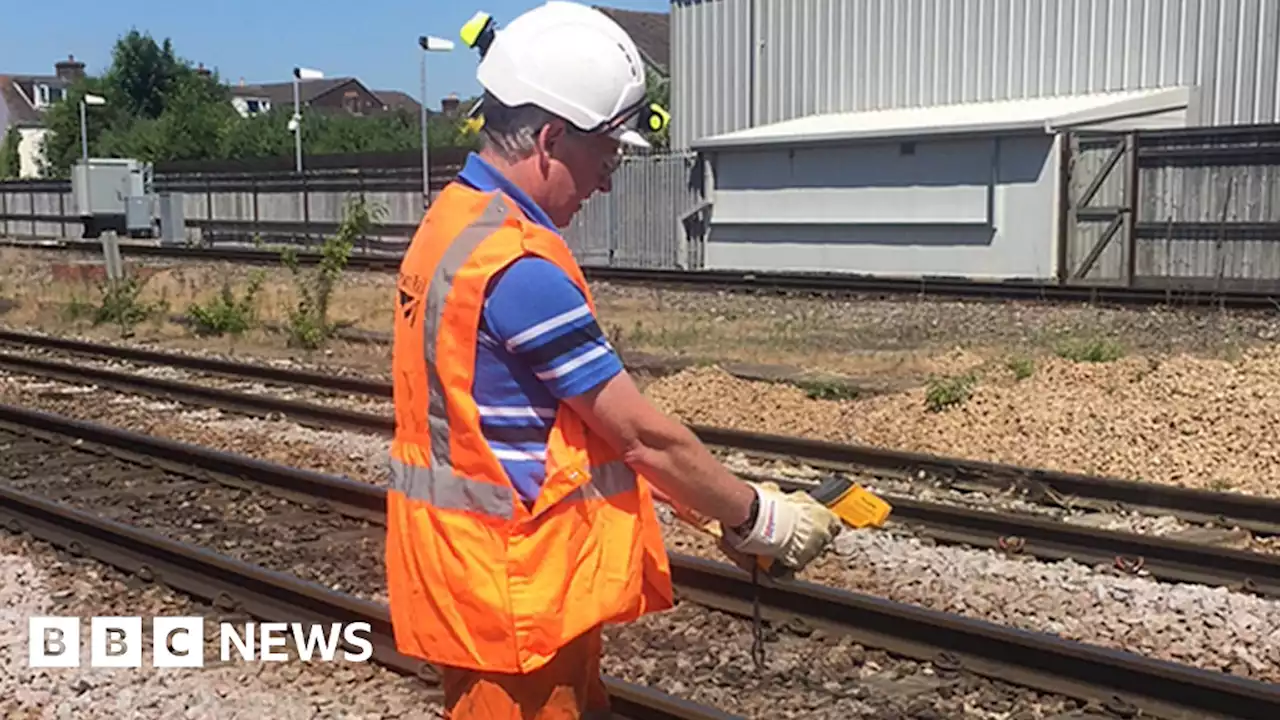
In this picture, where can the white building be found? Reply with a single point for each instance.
(965, 190)
(923, 137)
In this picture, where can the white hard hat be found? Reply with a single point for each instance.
(572, 61)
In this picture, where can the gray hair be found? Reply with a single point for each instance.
(511, 132)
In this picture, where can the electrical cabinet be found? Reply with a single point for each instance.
(114, 194)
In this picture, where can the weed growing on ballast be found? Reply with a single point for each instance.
(309, 326)
(1022, 367)
(946, 392)
(226, 313)
(121, 303)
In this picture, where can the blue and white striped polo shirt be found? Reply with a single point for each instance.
(538, 343)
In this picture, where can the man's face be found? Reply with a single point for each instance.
(577, 166)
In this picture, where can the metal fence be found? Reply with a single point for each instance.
(642, 222)
(1183, 209)
(638, 224)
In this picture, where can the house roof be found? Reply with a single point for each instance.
(395, 100)
(281, 93)
(15, 94)
(1046, 114)
(651, 32)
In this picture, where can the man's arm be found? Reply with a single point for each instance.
(664, 450)
(542, 319)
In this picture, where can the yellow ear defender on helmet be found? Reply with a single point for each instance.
(478, 32)
(655, 118)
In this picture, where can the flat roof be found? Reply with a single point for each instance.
(1048, 114)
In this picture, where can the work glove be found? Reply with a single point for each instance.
(791, 528)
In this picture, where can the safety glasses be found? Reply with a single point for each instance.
(639, 117)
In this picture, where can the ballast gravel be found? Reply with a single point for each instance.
(352, 454)
(705, 656)
(37, 580)
(1211, 628)
(1207, 424)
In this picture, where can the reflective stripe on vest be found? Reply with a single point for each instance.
(455, 256)
(442, 489)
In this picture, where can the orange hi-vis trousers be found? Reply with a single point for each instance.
(569, 687)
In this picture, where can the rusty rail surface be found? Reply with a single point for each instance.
(1165, 559)
(1123, 682)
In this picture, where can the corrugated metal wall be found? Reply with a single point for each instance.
(742, 63)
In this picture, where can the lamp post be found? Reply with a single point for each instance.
(85, 102)
(428, 43)
(110, 248)
(295, 124)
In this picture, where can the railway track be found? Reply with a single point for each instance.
(1023, 533)
(827, 284)
(197, 519)
(45, 480)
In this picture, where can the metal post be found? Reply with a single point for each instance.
(84, 132)
(428, 43)
(87, 208)
(297, 139)
(426, 155)
(111, 256)
(297, 130)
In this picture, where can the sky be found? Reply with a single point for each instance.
(262, 40)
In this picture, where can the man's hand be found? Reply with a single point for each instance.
(793, 529)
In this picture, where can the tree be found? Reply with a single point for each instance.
(10, 160)
(146, 74)
(61, 147)
(160, 108)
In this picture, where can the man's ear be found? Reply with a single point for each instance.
(550, 136)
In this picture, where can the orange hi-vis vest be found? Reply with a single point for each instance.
(476, 579)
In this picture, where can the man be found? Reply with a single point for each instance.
(521, 516)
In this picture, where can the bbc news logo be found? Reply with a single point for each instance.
(178, 642)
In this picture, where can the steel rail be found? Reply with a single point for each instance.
(1257, 514)
(1163, 558)
(1124, 682)
(1254, 513)
(214, 366)
(305, 413)
(235, 586)
(829, 284)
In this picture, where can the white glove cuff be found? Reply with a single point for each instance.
(774, 526)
